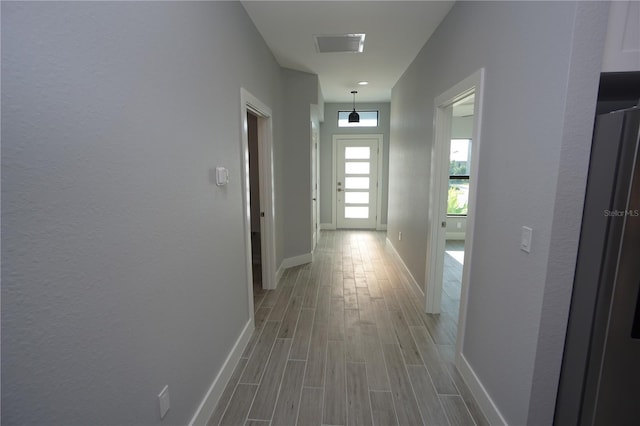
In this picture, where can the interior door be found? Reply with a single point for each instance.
(356, 182)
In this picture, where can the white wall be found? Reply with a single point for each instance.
(456, 227)
(123, 265)
(541, 78)
(622, 43)
(462, 127)
(329, 128)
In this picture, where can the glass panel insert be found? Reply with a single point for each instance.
(357, 153)
(356, 212)
(356, 197)
(356, 183)
(361, 168)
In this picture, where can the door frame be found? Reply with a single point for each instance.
(249, 103)
(334, 177)
(443, 108)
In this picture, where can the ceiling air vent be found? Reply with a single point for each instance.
(340, 43)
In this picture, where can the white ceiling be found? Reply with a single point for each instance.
(395, 33)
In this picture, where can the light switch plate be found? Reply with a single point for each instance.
(525, 239)
(222, 176)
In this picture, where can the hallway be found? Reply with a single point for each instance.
(342, 341)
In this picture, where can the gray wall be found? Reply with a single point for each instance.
(329, 128)
(541, 81)
(301, 91)
(123, 265)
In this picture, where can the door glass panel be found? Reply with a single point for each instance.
(357, 152)
(356, 183)
(356, 197)
(356, 212)
(361, 168)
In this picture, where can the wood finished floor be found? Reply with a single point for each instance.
(342, 341)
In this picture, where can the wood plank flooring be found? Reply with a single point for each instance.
(343, 341)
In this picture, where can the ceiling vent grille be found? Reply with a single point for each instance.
(353, 43)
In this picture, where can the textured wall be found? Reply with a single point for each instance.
(329, 128)
(531, 123)
(584, 69)
(122, 264)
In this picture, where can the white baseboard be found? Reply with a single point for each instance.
(208, 404)
(479, 392)
(279, 273)
(381, 227)
(416, 287)
(290, 262)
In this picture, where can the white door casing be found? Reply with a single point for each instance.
(438, 197)
(250, 103)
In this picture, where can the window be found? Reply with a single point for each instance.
(459, 169)
(367, 119)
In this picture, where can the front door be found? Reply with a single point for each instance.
(356, 182)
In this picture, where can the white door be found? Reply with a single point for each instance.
(356, 182)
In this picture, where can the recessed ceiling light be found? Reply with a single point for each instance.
(363, 83)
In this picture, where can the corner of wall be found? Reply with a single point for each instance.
(582, 86)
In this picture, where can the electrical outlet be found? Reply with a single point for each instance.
(459, 225)
(165, 404)
(399, 236)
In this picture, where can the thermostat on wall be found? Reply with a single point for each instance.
(222, 176)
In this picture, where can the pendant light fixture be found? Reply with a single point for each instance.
(354, 117)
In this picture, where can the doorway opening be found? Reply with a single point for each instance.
(454, 172)
(254, 196)
(257, 194)
(460, 165)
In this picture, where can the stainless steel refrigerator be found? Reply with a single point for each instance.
(600, 377)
